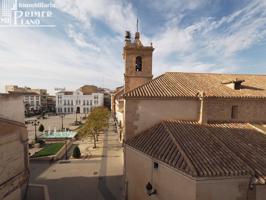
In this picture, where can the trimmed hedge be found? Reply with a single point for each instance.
(48, 150)
(76, 152)
(41, 128)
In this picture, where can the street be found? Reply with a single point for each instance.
(98, 178)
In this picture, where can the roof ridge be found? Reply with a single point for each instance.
(214, 73)
(192, 167)
(226, 146)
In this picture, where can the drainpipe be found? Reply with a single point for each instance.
(202, 114)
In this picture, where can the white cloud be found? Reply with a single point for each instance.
(32, 57)
(118, 15)
(80, 39)
(237, 31)
(217, 40)
(79, 56)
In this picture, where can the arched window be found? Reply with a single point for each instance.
(138, 63)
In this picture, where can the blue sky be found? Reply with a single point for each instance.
(85, 47)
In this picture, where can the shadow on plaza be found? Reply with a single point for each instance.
(95, 188)
(92, 187)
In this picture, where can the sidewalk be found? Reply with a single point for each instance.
(98, 177)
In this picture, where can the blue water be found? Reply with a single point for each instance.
(66, 134)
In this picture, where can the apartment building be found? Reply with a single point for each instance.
(14, 165)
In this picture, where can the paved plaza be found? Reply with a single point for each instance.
(53, 123)
(98, 177)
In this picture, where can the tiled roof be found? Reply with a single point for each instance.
(179, 84)
(89, 89)
(24, 93)
(210, 150)
(119, 93)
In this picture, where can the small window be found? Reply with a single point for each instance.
(138, 64)
(234, 112)
(155, 165)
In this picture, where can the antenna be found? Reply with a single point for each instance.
(137, 25)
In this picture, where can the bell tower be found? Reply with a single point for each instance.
(138, 62)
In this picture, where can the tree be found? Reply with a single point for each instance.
(41, 128)
(96, 121)
(76, 152)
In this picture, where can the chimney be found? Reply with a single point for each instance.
(234, 84)
(202, 114)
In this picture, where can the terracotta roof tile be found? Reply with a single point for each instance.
(211, 150)
(179, 84)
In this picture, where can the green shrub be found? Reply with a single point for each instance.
(49, 149)
(42, 142)
(76, 152)
(41, 128)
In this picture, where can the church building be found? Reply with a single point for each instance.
(193, 136)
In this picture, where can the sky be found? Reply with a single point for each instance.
(85, 47)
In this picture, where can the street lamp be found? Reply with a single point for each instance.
(35, 123)
(66, 148)
(62, 117)
(76, 116)
(150, 190)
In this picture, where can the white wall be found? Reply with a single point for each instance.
(169, 184)
(77, 100)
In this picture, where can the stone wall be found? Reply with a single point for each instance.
(248, 110)
(14, 164)
(141, 114)
(225, 188)
(134, 82)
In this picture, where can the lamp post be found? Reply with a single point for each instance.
(35, 123)
(76, 116)
(62, 117)
(77, 105)
(66, 149)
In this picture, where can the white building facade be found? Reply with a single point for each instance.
(77, 102)
(32, 101)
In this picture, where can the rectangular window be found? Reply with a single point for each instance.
(155, 165)
(234, 112)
